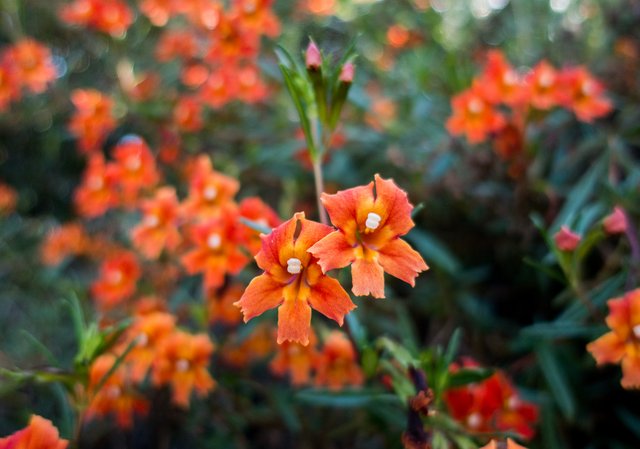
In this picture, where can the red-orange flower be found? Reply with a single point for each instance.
(501, 83)
(181, 362)
(32, 64)
(230, 41)
(220, 308)
(118, 277)
(110, 16)
(220, 88)
(295, 360)
(544, 88)
(337, 364)
(9, 84)
(176, 44)
(115, 395)
(293, 281)
(583, 94)
(566, 239)
(147, 332)
(159, 227)
(257, 16)
(93, 119)
(241, 351)
(217, 250)
(256, 210)
(39, 434)
(187, 114)
(69, 239)
(8, 199)
(134, 168)
(96, 194)
(473, 115)
(209, 190)
(370, 219)
(622, 344)
(510, 444)
(158, 11)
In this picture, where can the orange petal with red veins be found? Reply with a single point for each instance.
(607, 349)
(368, 278)
(395, 204)
(631, 371)
(344, 205)
(333, 251)
(329, 298)
(294, 322)
(400, 260)
(272, 244)
(262, 294)
(310, 232)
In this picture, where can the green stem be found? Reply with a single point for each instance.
(317, 175)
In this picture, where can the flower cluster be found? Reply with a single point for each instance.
(297, 255)
(501, 100)
(26, 65)
(491, 405)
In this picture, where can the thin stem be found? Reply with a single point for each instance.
(317, 175)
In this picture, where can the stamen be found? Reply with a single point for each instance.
(636, 330)
(510, 78)
(474, 420)
(210, 193)
(373, 221)
(114, 276)
(214, 241)
(294, 266)
(151, 220)
(182, 365)
(113, 391)
(475, 106)
(142, 339)
(587, 88)
(513, 402)
(133, 163)
(546, 80)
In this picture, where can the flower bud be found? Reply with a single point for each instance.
(566, 240)
(616, 222)
(313, 58)
(347, 73)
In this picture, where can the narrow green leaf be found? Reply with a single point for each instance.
(41, 348)
(434, 251)
(558, 384)
(115, 365)
(345, 399)
(256, 226)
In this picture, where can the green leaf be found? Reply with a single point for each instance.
(41, 348)
(256, 226)
(115, 365)
(297, 97)
(553, 274)
(467, 376)
(397, 352)
(556, 329)
(556, 379)
(434, 251)
(452, 347)
(346, 399)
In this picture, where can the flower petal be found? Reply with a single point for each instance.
(368, 278)
(333, 251)
(631, 371)
(344, 205)
(395, 204)
(329, 298)
(294, 322)
(607, 349)
(400, 260)
(262, 293)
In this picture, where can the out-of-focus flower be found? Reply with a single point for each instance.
(544, 87)
(321, 7)
(566, 240)
(119, 275)
(31, 63)
(93, 119)
(96, 194)
(204, 14)
(369, 226)
(176, 44)
(622, 344)
(615, 222)
(509, 142)
(251, 88)
(181, 361)
(187, 114)
(133, 168)
(39, 434)
(254, 347)
(296, 360)
(158, 11)
(501, 83)
(473, 116)
(220, 88)
(109, 16)
(398, 36)
(337, 365)
(146, 333)
(231, 42)
(159, 227)
(220, 308)
(293, 281)
(509, 444)
(115, 395)
(8, 199)
(256, 210)
(9, 84)
(257, 16)
(194, 75)
(70, 239)
(583, 94)
(217, 249)
(209, 190)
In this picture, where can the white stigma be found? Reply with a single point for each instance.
(373, 221)
(474, 420)
(513, 402)
(510, 78)
(151, 220)
(587, 88)
(546, 80)
(142, 339)
(113, 391)
(294, 266)
(133, 163)
(475, 106)
(96, 182)
(214, 241)
(182, 365)
(210, 193)
(636, 330)
(115, 276)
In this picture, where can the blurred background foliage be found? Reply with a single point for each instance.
(490, 265)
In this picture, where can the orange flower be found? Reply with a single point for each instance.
(622, 344)
(39, 434)
(220, 88)
(176, 44)
(217, 250)
(510, 444)
(187, 114)
(93, 119)
(158, 11)
(254, 209)
(209, 190)
(251, 89)
(230, 41)
(8, 199)
(257, 16)
(500, 83)
(69, 239)
(147, 332)
(293, 281)
(96, 194)
(473, 115)
(321, 7)
(32, 64)
(544, 88)
(220, 306)
(295, 360)
(205, 14)
(239, 352)
(134, 168)
(159, 227)
(398, 36)
(566, 240)
(369, 226)
(615, 222)
(9, 84)
(116, 395)
(181, 361)
(583, 94)
(337, 365)
(109, 16)
(118, 277)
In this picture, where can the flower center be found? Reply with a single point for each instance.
(210, 193)
(587, 88)
(636, 330)
(294, 266)
(474, 420)
(513, 402)
(545, 80)
(142, 339)
(133, 163)
(182, 365)
(115, 276)
(214, 241)
(475, 106)
(96, 182)
(373, 221)
(113, 391)
(151, 220)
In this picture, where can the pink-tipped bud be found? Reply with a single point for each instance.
(566, 240)
(347, 73)
(616, 222)
(313, 58)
